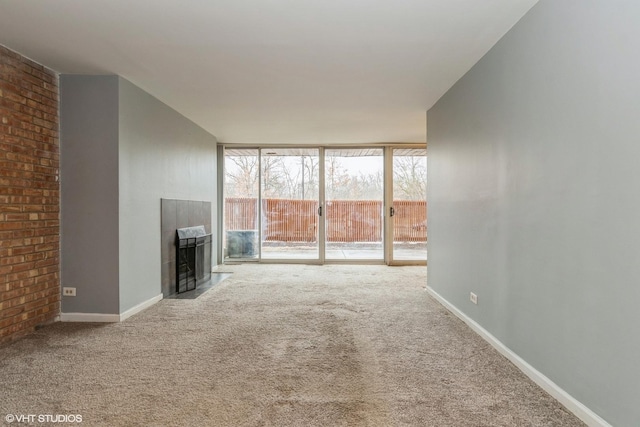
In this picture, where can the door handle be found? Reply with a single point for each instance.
(391, 212)
(320, 211)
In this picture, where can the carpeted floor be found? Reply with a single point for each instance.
(278, 345)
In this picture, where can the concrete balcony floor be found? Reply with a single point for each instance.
(338, 251)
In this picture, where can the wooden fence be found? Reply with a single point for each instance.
(287, 220)
(354, 221)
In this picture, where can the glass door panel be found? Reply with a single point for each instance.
(409, 220)
(241, 186)
(290, 184)
(354, 194)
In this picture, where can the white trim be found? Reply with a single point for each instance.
(138, 308)
(108, 318)
(572, 404)
(89, 317)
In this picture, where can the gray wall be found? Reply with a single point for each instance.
(161, 155)
(534, 198)
(89, 192)
(121, 152)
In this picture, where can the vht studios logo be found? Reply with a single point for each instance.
(43, 418)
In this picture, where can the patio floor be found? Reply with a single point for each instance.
(339, 251)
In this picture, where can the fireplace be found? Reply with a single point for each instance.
(193, 258)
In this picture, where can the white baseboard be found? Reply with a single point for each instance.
(138, 308)
(89, 317)
(578, 409)
(108, 318)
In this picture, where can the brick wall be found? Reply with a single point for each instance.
(29, 196)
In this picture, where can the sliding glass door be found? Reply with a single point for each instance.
(354, 182)
(333, 204)
(408, 210)
(290, 204)
(241, 214)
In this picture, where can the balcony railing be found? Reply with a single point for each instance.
(287, 220)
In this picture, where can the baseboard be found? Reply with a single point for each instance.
(108, 318)
(89, 317)
(578, 409)
(138, 308)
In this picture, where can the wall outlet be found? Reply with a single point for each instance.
(473, 297)
(69, 292)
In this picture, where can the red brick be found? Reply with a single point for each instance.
(6, 322)
(11, 260)
(12, 294)
(29, 195)
(22, 250)
(20, 275)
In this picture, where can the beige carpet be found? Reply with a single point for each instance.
(278, 345)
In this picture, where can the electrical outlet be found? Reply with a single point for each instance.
(473, 297)
(69, 292)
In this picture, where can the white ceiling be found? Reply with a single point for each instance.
(272, 71)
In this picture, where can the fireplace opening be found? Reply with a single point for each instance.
(193, 258)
